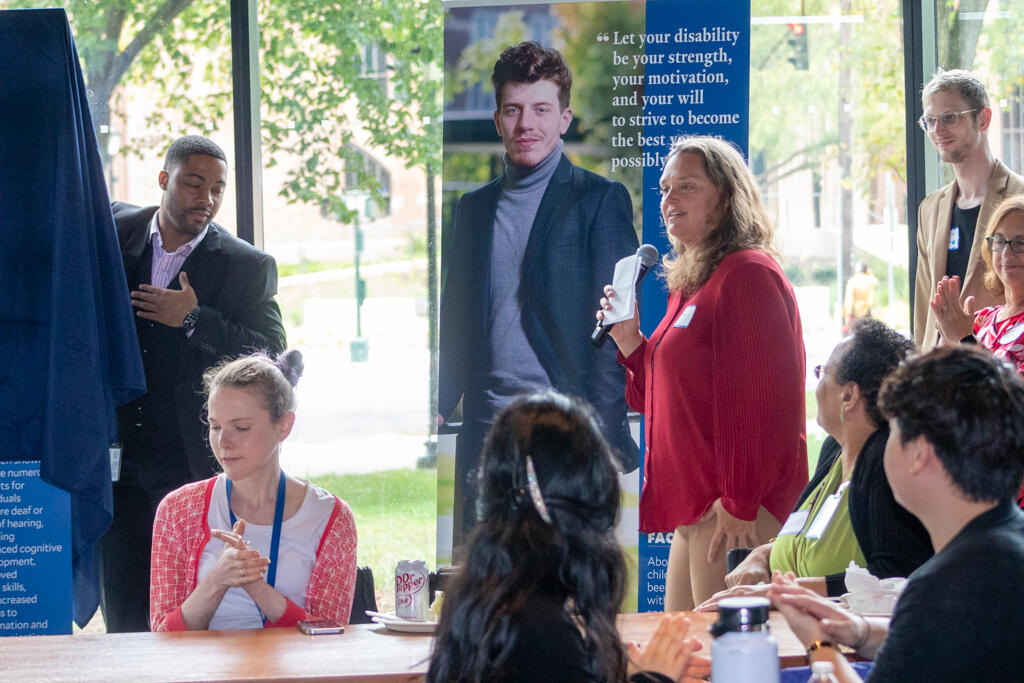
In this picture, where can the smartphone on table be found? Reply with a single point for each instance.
(320, 627)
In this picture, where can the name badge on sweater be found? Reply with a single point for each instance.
(794, 523)
(954, 239)
(686, 316)
(825, 513)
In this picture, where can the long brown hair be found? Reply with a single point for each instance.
(744, 224)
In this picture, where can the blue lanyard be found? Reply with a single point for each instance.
(275, 535)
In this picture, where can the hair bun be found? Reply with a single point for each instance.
(291, 366)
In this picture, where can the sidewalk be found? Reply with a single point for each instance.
(359, 417)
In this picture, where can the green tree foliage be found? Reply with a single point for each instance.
(321, 75)
(592, 71)
(315, 86)
(592, 80)
(476, 62)
(795, 124)
(792, 116)
(879, 95)
(957, 37)
(1001, 46)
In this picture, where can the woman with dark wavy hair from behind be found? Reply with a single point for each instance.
(543, 577)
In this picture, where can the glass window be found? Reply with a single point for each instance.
(348, 102)
(827, 143)
(139, 64)
(984, 39)
(151, 79)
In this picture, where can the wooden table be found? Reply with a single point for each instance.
(362, 653)
(639, 627)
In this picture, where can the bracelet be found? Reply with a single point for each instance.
(817, 645)
(867, 634)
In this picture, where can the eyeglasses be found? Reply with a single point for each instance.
(946, 118)
(819, 372)
(997, 243)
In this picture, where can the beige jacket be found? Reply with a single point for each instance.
(934, 216)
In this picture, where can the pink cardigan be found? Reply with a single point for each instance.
(181, 531)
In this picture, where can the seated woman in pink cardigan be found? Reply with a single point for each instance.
(291, 551)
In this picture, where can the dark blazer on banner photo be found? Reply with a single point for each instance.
(235, 284)
(584, 224)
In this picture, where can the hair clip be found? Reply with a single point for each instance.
(534, 487)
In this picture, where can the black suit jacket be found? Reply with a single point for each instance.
(584, 224)
(235, 284)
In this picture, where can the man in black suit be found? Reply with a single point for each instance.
(200, 295)
(529, 253)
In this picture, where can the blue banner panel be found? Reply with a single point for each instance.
(694, 79)
(35, 553)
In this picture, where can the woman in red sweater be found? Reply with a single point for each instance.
(721, 379)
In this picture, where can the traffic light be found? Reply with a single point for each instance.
(798, 46)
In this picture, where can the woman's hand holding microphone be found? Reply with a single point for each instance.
(626, 333)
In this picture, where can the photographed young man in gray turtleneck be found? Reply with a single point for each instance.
(528, 253)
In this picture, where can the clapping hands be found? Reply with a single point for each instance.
(239, 564)
(955, 320)
(670, 652)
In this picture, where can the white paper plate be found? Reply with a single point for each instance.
(394, 623)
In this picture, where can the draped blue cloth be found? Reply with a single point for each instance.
(68, 350)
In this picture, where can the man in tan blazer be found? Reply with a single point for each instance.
(951, 221)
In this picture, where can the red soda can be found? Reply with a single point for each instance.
(412, 592)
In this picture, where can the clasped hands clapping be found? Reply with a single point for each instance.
(954, 320)
(239, 563)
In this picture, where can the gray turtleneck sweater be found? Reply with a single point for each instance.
(515, 368)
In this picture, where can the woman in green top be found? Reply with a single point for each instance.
(847, 511)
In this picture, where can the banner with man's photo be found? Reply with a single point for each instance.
(557, 121)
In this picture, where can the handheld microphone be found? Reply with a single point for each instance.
(648, 255)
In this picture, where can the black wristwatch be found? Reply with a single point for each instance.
(191, 318)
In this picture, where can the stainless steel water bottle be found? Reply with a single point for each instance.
(743, 649)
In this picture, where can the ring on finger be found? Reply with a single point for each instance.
(241, 572)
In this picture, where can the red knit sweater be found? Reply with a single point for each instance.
(721, 386)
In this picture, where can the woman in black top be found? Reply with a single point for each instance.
(891, 540)
(543, 577)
